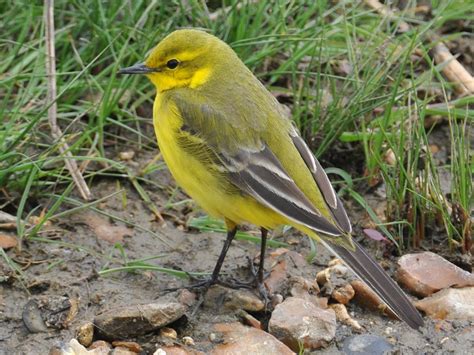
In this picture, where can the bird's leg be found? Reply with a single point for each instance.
(214, 279)
(230, 237)
(260, 273)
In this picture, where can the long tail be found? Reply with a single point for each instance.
(371, 273)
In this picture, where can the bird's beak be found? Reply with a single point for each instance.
(139, 68)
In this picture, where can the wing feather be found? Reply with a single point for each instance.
(332, 200)
(260, 174)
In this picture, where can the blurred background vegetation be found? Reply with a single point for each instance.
(363, 88)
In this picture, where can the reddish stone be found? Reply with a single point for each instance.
(426, 273)
(452, 303)
(299, 322)
(239, 339)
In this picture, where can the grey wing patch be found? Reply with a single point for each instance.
(330, 196)
(260, 174)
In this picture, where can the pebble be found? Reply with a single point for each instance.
(176, 350)
(307, 290)
(366, 344)
(187, 297)
(75, 348)
(32, 318)
(85, 334)
(412, 274)
(451, 303)
(122, 351)
(7, 241)
(188, 341)
(168, 333)
(299, 322)
(332, 277)
(130, 345)
(366, 298)
(99, 344)
(343, 316)
(248, 319)
(222, 297)
(130, 321)
(126, 155)
(343, 294)
(239, 339)
(284, 264)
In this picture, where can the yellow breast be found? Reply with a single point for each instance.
(198, 180)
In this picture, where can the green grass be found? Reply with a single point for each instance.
(377, 104)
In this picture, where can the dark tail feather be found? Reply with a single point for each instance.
(371, 273)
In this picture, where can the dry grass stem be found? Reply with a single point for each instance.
(71, 164)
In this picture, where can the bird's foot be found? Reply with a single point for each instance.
(258, 282)
(199, 284)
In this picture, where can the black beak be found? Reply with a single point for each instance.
(139, 68)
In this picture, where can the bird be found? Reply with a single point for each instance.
(228, 143)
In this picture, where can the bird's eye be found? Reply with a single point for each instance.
(172, 63)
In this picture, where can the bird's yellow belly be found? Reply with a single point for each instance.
(205, 187)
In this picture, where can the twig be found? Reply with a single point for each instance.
(390, 14)
(453, 70)
(69, 161)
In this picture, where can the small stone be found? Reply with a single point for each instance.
(187, 297)
(276, 299)
(413, 274)
(451, 303)
(32, 318)
(176, 350)
(366, 344)
(85, 334)
(390, 157)
(130, 345)
(75, 348)
(334, 262)
(300, 285)
(100, 344)
(54, 311)
(122, 351)
(250, 320)
(366, 298)
(239, 339)
(283, 263)
(343, 316)
(7, 241)
(332, 277)
(126, 155)
(299, 322)
(129, 321)
(168, 333)
(343, 294)
(188, 341)
(219, 296)
(305, 289)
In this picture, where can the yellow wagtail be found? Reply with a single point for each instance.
(228, 144)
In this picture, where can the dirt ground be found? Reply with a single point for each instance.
(81, 254)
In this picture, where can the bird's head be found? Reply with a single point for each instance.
(185, 58)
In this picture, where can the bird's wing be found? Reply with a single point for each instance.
(261, 175)
(248, 162)
(332, 200)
